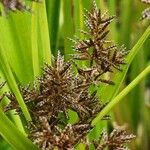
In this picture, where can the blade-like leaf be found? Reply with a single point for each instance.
(12, 83)
(13, 136)
(121, 95)
(40, 38)
(5, 101)
(53, 13)
(15, 39)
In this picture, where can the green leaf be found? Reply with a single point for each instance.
(126, 19)
(13, 136)
(78, 17)
(15, 40)
(53, 13)
(112, 11)
(12, 83)
(5, 101)
(4, 145)
(41, 52)
(68, 27)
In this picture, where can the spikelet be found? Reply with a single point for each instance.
(14, 5)
(146, 12)
(104, 56)
(59, 90)
(48, 138)
(146, 1)
(115, 140)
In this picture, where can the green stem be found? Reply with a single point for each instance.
(120, 96)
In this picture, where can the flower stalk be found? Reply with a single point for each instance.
(120, 96)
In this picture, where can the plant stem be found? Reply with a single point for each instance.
(120, 96)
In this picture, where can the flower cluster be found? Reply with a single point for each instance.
(48, 137)
(146, 12)
(57, 91)
(14, 5)
(101, 55)
(115, 140)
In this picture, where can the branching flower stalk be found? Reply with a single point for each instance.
(114, 140)
(60, 89)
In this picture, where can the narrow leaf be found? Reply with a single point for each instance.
(13, 136)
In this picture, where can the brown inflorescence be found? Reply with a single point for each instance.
(105, 57)
(146, 12)
(14, 5)
(101, 55)
(115, 140)
(57, 91)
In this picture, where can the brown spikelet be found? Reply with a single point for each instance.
(53, 96)
(95, 49)
(146, 12)
(14, 5)
(59, 90)
(146, 1)
(116, 140)
(48, 138)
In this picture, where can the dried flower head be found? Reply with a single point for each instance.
(14, 5)
(146, 1)
(115, 140)
(48, 138)
(102, 56)
(58, 91)
(146, 12)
